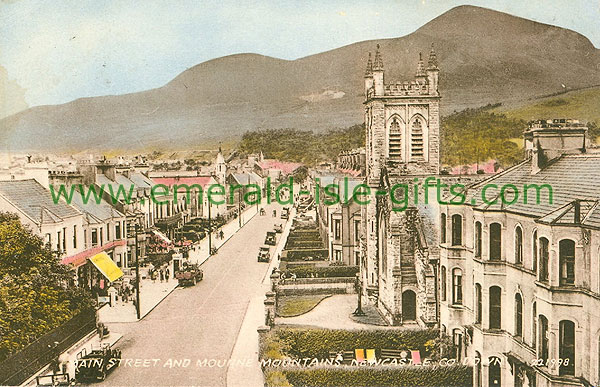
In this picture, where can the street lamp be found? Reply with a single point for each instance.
(137, 273)
(357, 284)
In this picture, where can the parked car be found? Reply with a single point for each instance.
(189, 274)
(96, 364)
(54, 380)
(270, 239)
(278, 228)
(263, 254)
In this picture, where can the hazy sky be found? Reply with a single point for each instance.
(58, 50)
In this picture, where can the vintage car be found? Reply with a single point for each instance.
(278, 228)
(263, 254)
(285, 213)
(270, 239)
(189, 274)
(96, 364)
(54, 380)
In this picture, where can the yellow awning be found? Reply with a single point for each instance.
(106, 266)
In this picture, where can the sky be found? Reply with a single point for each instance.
(55, 51)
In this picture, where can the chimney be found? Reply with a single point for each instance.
(546, 140)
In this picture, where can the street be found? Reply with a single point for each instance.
(194, 324)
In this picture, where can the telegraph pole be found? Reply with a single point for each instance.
(209, 230)
(137, 273)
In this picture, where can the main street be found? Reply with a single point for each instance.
(197, 323)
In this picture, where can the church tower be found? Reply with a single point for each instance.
(220, 168)
(402, 143)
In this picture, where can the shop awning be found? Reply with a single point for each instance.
(106, 266)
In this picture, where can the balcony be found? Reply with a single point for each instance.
(169, 221)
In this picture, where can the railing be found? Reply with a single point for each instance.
(22, 365)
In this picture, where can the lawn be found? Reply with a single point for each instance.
(291, 306)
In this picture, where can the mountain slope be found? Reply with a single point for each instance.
(485, 56)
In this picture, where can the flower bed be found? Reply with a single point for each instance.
(322, 272)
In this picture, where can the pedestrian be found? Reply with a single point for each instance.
(167, 273)
(162, 275)
(221, 235)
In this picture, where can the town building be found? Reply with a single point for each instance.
(519, 276)
(400, 245)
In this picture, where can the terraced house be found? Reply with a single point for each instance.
(519, 278)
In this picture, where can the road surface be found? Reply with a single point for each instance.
(196, 327)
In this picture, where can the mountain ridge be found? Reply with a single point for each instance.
(485, 57)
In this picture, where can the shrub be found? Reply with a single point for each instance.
(299, 343)
(405, 376)
(330, 271)
(276, 379)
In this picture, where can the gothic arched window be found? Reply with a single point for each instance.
(395, 140)
(417, 144)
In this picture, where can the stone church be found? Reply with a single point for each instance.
(400, 245)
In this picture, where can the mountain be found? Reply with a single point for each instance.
(485, 57)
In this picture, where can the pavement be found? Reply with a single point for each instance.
(333, 313)
(189, 337)
(153, 292)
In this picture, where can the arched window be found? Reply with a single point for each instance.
(457, 286)
(495, 307)
(534, 325)
(495, 242)
(518, 245)
(457, 338)
(456, 230)
(477, 239)
(417, 144)
(478, 304)
(566, 256)
(566, 347)
(443, 282)
(395, 140)
(494, 372)
(382, 248)
(518, 315)
(477, 378)
(534, 263)
(443, 228)
(544, 341)
(544, 258)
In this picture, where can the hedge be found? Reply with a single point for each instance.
(405, 376)
(299, 343)
(319, 272)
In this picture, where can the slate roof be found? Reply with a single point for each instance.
(246, 178)
(97, 212)
(35, 201)
(574, 181)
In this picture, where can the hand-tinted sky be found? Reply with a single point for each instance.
(60, 50)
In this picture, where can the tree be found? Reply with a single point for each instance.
(37, 292)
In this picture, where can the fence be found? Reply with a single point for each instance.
(21, 366)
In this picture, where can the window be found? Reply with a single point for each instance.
(395, 140)
(443, 281)
(118, 230)
(416, 140)
(566, 347)
(457, 338)
(477, 239)
(337, 229)
(443, 229)
(543, 274)
(338, 255)
(544, 344)
(494, 372)
(356, 231)
(495, 242)
(357, 258)
(58, 241)
(495, 307)
(108, 232)
(518, 315)
(85, 241)
(566, 254)
(64, 239)
(74, 237)
(456, 230)
(478, 304)
(457, 286)
(478, 381)
(518, 245)
(101, 235)
(534, 252)
(94, 237)
(534, 326)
